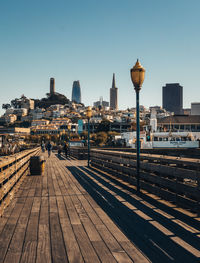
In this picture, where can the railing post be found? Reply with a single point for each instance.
(198, 191)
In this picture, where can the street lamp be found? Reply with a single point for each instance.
(89, 115)
(69, 129)
(137, 77)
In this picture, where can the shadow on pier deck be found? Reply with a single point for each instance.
(76, 214)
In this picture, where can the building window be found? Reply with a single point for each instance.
(187, 127)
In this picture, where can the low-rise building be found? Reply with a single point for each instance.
(60, 121)
(195, 108)
(39, 122)
(10, 118)
(180, 123)
(45, 129)
(15, 130)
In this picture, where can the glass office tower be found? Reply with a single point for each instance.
(76, 92)
(172, 98)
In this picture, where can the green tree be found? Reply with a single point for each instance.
(104, 126)
(84, 135)
(111, 135)
(101, 138)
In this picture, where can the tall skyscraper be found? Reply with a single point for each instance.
(172, 98)
(52, 86)
(114, 95)
(76, 92)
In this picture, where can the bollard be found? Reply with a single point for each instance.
(37, 165)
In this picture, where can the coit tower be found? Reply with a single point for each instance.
(52, 86)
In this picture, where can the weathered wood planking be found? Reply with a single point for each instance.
(53, 219)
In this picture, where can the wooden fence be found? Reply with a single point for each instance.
(13, 169)
(172, 178)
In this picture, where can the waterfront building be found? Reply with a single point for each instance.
(114, 95)
(15, 130)
(195, 108)
(76, 92)
(189, 123)
(52, 86)
(172, 98)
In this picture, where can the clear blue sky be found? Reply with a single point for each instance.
(88, 40)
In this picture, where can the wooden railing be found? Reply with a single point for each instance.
(80, 153)
(13, 169)
(172, 178)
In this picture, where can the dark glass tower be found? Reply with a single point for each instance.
(114, 95)
(76, 92)
(172, 98)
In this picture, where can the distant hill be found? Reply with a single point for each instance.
(51, 99)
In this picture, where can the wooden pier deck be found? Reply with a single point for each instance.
(76, 214)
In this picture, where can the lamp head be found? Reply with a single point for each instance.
(89, 112)
(137, 75)
(69, 126)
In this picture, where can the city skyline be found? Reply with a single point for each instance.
(85, 41)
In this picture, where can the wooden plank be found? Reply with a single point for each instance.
(15, 247)
(49, 180)
(74, 218)
(134, 253)
(30, 242)
(57, 242)
(8, 229)
(103, 252)
(85, 245)
(43, 245)
(72, 247)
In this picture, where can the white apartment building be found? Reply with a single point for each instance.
(39, 122)
(10, 118)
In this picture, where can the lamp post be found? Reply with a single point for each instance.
(69, 129)
(137, 77)
(89, 115)
(63, 135)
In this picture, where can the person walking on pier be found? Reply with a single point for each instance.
(65, 148)
(59, 150)
(43, 147)
(49, 148)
